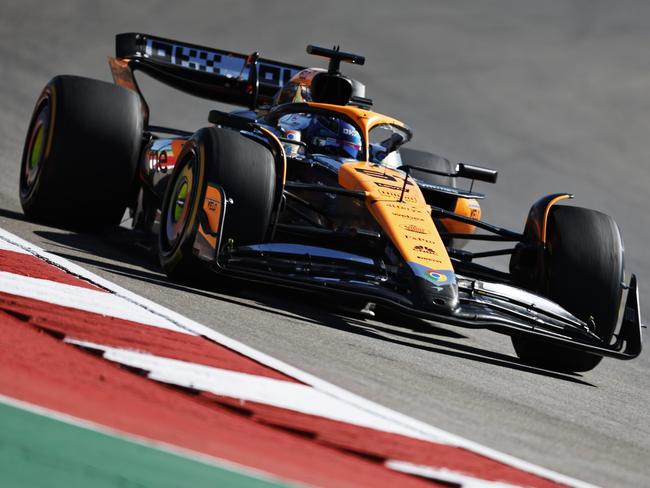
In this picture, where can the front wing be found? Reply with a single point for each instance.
(482, 304)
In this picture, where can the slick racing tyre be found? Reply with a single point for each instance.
(430, 161)
(243, 168)
(584, 274)
(80, 153)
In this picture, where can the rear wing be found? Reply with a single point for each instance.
(222, 76)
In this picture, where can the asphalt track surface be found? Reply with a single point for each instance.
(553, 94)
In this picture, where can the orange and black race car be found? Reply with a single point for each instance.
(306, 187)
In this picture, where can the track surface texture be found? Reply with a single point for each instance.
(554, 94)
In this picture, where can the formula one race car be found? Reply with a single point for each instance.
(306, 187)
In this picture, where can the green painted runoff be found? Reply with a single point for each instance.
(39, 451)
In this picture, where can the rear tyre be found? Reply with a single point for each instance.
(584, 275)
(80, 153)
(246, 171)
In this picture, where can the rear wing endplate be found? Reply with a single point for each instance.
(214, 74)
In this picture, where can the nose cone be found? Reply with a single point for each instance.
(437, 289)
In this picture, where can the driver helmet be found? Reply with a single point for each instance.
(332, 135)
(323, 134)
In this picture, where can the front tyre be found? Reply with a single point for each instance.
(245, 170)
(80, 153)
(584, 274)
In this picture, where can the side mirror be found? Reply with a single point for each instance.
(479, 173)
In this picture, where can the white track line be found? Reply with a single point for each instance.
(423, 428)
(86, 299)
(6, 246)
(260, 389)
(280, 394)
(445, 475)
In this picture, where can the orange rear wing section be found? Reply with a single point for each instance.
(214, 74)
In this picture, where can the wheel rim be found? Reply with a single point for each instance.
(178, 212)
(37, 144)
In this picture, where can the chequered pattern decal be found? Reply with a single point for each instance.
(214, 62)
